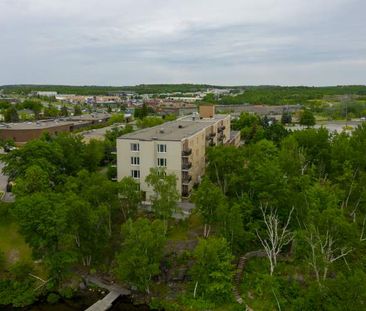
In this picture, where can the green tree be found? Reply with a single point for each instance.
(286, 117)
(11, 115)
(166, 195)
(141, 252)
(51, 111)
(42, 221)
(307, 118)
(89, 226)
(129, 197)
(212, 271)
(208, 198)
(34, 180)
(116, 118)
(93, 154)
(77, 111)
(64, 112)
(149, 122)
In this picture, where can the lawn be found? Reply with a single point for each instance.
(11, 242)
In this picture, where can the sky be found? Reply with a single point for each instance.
(222, 42)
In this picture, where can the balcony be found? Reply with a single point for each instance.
(185, 193)
(221, 128)
(186, 166)
(221, 137)
(186, 179)
(186, 152)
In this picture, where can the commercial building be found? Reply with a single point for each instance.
(178, 146)
(25, 131)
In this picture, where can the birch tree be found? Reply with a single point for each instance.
(324, 253)
(276, 236)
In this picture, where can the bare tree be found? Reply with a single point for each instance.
(324, 253)
(276, 236)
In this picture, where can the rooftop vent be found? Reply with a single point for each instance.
(180, 126)
(154, 138)
(161, 131)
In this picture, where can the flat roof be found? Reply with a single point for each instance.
(33, 125)
(90, 117)
(174, 130)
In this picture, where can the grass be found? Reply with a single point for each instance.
(11, 242)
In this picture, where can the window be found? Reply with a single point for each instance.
(135, 160)
(161, 148)
(135, 174)
(135, 147)
(161, 162)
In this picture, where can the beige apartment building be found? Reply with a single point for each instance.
(178, 146)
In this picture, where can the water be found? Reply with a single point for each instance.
(80, 303)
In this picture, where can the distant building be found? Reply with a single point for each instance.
(46, 94)
(179, 146)
(25, 131)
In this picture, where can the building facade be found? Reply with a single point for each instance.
(178, 146)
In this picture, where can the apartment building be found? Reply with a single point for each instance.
(178, 146)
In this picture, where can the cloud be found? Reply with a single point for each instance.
(115, 42)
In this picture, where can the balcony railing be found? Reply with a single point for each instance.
(185, 194)
(186, 165)
(186, 179)
(186, 152)
(221, 128)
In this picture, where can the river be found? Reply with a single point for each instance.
(79, 303)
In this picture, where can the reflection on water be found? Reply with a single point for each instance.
(80, 303)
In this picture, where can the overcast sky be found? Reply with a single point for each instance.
(226, 42)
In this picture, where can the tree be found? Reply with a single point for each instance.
(286, 117)
(129, 197)
(116, 118)
(276, 236)
(93, 154)
(141, 113)
(34, 180)
(89, 226)
(208, 198)
(51, 111)
(141, 252)
(166, 195)
(64, 112)
(11, 115)
(77, 111)
(230, 223)
(228, 175)
(324, 253)
(212, 271)
(42, 221)
(36, 152)
(149, 122)
(307, 118)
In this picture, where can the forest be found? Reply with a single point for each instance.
(279, 224)
(280, 95)
(106, 90)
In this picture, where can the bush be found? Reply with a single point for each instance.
(67, 292)
(53, 298)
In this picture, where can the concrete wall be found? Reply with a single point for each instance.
(148, 159)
